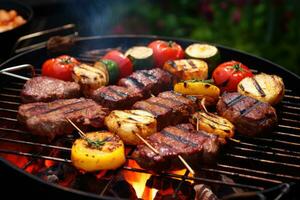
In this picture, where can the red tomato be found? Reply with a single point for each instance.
(228, 75)
(125, 65)
(60, 67)
(164, 51)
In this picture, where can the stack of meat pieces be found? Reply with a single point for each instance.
(50, 119)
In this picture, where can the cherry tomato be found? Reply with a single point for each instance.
(60, 67)
(228, 75)
(125, 65)
(164, 51)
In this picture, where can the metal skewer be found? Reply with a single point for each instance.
(83, 135)
(7, 71)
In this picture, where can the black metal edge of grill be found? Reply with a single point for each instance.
(269, 67)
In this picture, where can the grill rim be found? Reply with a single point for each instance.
(124, 37)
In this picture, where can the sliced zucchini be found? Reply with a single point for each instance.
(128, 123)
(141, 57)
(214, 124)
(187, 69)
(205, 52)
(90, 77)
(263, 87)
(113, 70)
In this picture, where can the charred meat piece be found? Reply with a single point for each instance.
(161, 112)
(148, 81)
(196, 147)
(250, 116)
(46, 89)
(169, 108)
(49, 119)
(116, 97)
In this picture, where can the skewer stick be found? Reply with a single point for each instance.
(186, 165)
(82, 134)
(147, 143)
(203, 105)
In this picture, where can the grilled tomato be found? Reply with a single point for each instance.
(124, 63)
(228, 75)
(60, 67)
(98, 151)
(164, 51)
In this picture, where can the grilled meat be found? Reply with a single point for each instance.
(148, 82)
(46, 89)
(116, 97)
(250, 116)
(196, 147)
(169, 108)
(49, 119)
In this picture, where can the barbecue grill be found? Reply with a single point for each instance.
(263, 167)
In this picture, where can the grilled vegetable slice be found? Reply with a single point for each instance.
(141, 57)
(98, 151)
(89, 77)
(215, 124)
(128, 122)
(187, 69)
(199, 89)
(205, 52)
(263, 87)
(113, 70)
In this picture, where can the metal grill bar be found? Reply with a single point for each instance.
(261, 160)
(34, 155)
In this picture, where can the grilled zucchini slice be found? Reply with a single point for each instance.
(141, 57)
(199, 89)
(126, 123)
(98, 151)
(214, 124)
(90, 77)
(263, 87)
(206, 52)
(187, 69)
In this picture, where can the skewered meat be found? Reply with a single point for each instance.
(148, 81)
(250, 116)
(169, 108)
(49, 119)
(195, 147)
(46, 89)
(116, 97)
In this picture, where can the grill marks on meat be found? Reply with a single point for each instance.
(169, 108)
(116, 97)
(148, 81)
(49, 119)
(46, 89)
(250, 116)
(195, 147)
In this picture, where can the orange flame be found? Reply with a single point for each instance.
(138, 182)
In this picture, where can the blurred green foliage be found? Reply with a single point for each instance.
(266, 28)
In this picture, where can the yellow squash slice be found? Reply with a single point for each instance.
(98, 151)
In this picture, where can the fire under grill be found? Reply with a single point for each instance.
(253, 164)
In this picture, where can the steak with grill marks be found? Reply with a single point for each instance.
(49, 119)
(116, 97)
(196, 147)
(46, 89)
(250, 116)
(148, 82)
(169, 108)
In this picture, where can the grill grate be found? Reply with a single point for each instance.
(253, 163)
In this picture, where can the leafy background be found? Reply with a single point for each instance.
(266, 28)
